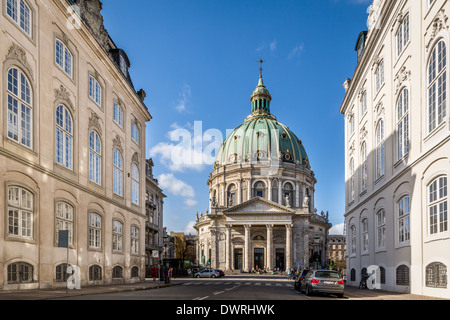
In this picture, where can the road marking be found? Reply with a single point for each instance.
(203, 298)
(278, 284)
(268, 284)
(288, 285)
(187, 284)
(257, 284)
(247, 283)
(218, 292)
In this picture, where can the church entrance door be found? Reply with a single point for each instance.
(259, 258)
(237, 259)
(279, 255)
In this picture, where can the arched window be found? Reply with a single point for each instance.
(380, 219)
(403, 124)
(402, 36)
(382, 275)
(118, 115)
(259, 189)
(364, 173)
(403, 219)
(134, 132)
(95, 158)
(64, 220)
(231, 195)
(117, 173)
(95, 90)
(402, 276)
(365, 235)
(352, 179)
(135, 272)
(61, 272)
(64, 137)
(20, 272)
(353, 275)
(117, 272)
(19, 115)
(379, 172)
(436, 275)
(353, 239)
(95, 231)
(117, 236)
(379, 76)
(437, 205)
(134, 240)
(437, 86)
(95, 273)
(20, 13)
(63, 57)
(134, 184)
(20, 212)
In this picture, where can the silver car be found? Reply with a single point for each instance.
(207, 273)
(323, 281)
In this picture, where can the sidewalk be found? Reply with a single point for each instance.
(44, 294)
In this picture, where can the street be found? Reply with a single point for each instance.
(226, 288)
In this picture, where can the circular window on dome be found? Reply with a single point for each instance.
(261, 154)
(284, 136)
(260, 134)
(233, 157)
(287, 156)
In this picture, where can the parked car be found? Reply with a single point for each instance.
(300, 278)
(207, 273)
(323, 281)
(221, 273)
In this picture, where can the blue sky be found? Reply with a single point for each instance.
(197, 61)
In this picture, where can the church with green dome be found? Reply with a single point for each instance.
(261, 213)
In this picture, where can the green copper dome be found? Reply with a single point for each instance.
(261, 137)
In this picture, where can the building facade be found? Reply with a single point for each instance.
(336, 251)
(261, 189)
(397, 148)
(154, 203)
(72, 149)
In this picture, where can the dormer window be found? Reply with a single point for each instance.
(123, 66)
(360, 44)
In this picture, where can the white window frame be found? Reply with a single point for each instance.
(379, 77)
(63, 57)
(365, 235)
(118, 115)
(95, 158)
(20, 212)
(437, 206)
(64, 217)
(19, 108)
(117, 236)
(364, 168)
(402, 37)
(64, 137)
(135, 132)
(95, 91)
(403, 124)
(380, 150)
(21, 17)
(95, 231)
(117, 173)
(134, 240)
(380, 220)
(403, 220)
(436, 81)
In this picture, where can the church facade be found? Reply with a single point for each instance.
(261, 213)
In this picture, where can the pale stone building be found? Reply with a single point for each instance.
(261, 212)
(397, 148)
(72, 148)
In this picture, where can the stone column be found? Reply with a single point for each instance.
(288, 245)
(214, 253)
(249, 189)
(280, 192)
(297, 195)
(224, 195)
(247, 248)
(228, 248)
(239, 193)
(269, 246)
(269, 189)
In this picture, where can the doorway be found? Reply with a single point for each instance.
(279, 256)
(237, 259)
(259, 258)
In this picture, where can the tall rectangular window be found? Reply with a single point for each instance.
(64, 220)
(95, 90)
(20, 13)
(95, 231)
(437, 206)
(63, 57)
(20, 212)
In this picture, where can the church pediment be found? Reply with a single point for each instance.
(258, 206)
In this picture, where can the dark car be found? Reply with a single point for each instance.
(300, 278)
(221, 273)
(323, 281)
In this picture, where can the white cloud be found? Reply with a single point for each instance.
(175, 186)
(273, 45)
(189, 229)
(190, 202)
(337, 229)
(296, 51)
(184, 95)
